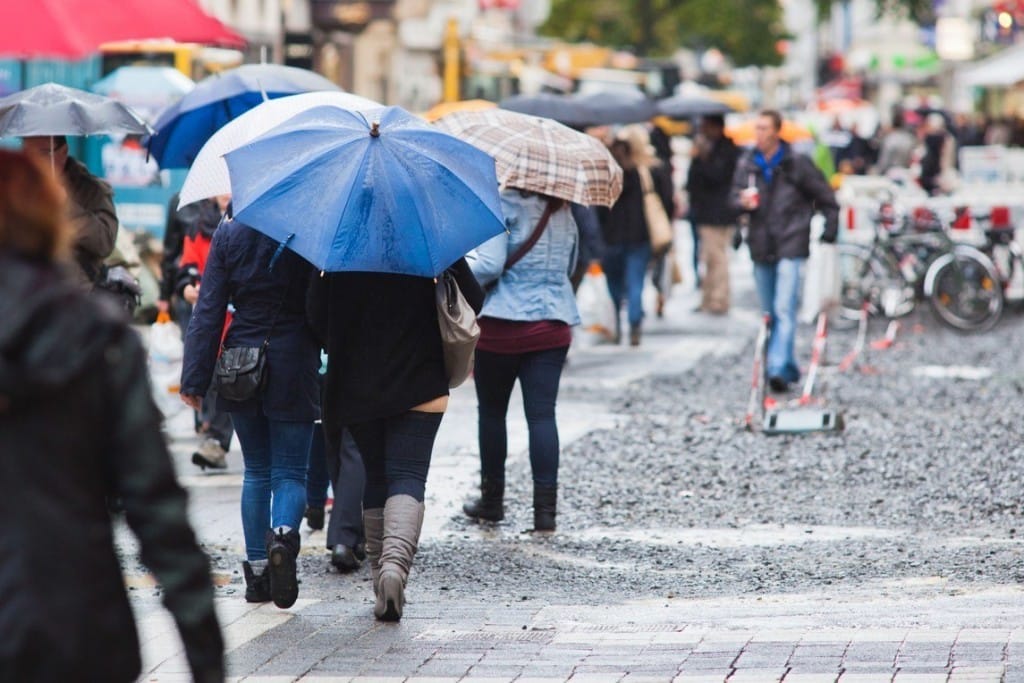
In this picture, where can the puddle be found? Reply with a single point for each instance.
(968, 372)
(754, 535)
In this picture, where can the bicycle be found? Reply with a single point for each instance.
(967, 288)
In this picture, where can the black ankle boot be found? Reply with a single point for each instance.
(257, 586)
(282, 556)
(545, 499)
(490, 506)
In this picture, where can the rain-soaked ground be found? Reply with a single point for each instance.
(674, 498)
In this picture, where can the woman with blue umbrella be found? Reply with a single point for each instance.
(389, 203)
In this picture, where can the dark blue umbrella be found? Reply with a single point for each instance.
(691, 106)
(581, 111)
(379, 191)
(184, 128)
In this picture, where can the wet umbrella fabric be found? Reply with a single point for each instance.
(581, 111)
(52, 109)
(209, 177)
(349, 194)
(690, 106)
(541, 155)
(145, 82)
(184, 128)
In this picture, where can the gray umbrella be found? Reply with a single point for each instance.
(689, 106)
(52, 109)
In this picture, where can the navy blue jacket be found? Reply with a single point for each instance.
(238, 272)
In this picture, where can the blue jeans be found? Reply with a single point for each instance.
(778, 288)
(539, 373)
(396, 454)
(274, 485)
(625, 266)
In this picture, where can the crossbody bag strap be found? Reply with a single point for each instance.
(516, 256)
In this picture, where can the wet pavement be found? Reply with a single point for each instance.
(687, 548)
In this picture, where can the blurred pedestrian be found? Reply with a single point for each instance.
(709, 183)
(525, 333)
(897, 147)
(66, 360)
(266, 286)
(780, 191)
(387, 384)
(214, 423)
(90, 203)
(938, 164)
(625, 229)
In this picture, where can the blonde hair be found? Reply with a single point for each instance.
(33, 222)
(641, 150)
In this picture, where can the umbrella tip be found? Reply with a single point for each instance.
(375, 129)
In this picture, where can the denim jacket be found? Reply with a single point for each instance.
(537, 287)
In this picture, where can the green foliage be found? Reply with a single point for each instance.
(918, 10)
(746, 30)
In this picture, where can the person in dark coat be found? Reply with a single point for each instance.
(624, 226)
(266, 286)
(387, 384)
(780, 191)
(90, 206)
(66, 360)
(709, 184)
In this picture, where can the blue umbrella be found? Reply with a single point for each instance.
(379, 191)
(184, 127)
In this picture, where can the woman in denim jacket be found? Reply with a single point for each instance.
(526, 328)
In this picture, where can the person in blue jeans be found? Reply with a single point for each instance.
(267, 286)
(525, 333)
(779, 191)
(624, 226)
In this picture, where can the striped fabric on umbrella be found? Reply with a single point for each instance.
(541, 155)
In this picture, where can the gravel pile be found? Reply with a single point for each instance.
(927, 480)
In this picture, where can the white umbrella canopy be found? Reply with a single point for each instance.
(209, 177)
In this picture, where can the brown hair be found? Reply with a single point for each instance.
(775, 116)
(32, 210)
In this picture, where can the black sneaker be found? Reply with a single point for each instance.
(778, 385)
(282, 552)
(315, 518)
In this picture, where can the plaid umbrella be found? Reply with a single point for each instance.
(541, 155)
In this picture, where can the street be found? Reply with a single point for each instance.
(687, 549)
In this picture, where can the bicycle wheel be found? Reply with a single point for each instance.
(963, 290)
(868, 278)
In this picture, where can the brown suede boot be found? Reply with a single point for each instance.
(403, 521)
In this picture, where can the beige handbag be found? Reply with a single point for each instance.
(659, 227)
(459, 329)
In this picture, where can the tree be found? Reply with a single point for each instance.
(747, 30)
(921, 11)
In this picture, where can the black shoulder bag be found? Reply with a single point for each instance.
(241, 372)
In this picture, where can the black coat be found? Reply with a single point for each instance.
(781, 226)
(383, 342)
(78, 426)
(626, 223)
(238, 272)
(709, 184)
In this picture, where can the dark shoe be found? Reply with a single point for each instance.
(282, 552)
(257, 586)
(660, 309)
(210, 455)
(545, 503)
(634, 335)
(490, 506)
(360, 551)
(315, 518)
(778, 385)
(344, 558)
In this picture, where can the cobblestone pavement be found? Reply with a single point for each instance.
(687, 550)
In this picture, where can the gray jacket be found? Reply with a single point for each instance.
(781, 225)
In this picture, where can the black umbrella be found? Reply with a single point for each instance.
(690, 106)
(52, 109)
(580, 111)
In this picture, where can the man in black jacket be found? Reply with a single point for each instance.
(780, 192)
(709, 183)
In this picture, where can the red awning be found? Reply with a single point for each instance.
(72, 29)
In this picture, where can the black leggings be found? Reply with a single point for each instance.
(396, 453)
